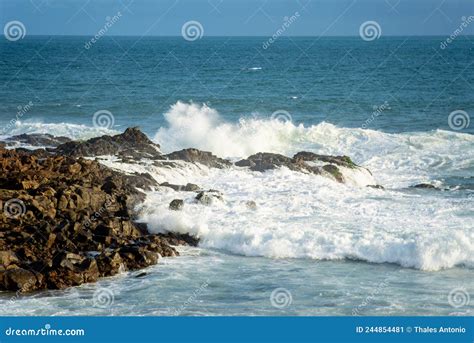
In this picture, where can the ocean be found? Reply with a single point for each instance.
(399, 106)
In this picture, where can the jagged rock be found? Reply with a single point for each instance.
(66, 208)
(343, 161)
(306, 162)
(37, 139)
(19, 279)
(7, 258)
(132, 144)
(176, 205)
(189, 187)
(208, 197)
(197, 156)
(263, 161)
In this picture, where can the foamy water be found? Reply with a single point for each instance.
(300, 219)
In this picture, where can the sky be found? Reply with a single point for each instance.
(238, 17)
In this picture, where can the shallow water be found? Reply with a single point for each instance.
(203, 282)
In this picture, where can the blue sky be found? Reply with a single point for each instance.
(238, 17)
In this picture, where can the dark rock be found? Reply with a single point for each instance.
(197, 156)
(141, 275)
(252, 205)
(343, 161)
(424, 186)
(37, 139)
(264, 161)
(132, 144)
(66, 209)
(376, 186)
(19, 279)
(189, 187)
(208, 197)
(303, 162)
(176, 205)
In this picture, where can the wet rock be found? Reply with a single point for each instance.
(251, 205)
(208, 197)
(265, 161)
(67, 208)
(198, 156)
(424, 186)
(334, 172)
(306, 162)
(189, 187)
(343, 161)
(176, 205)
(36, 140)
(132, 144)
(19, 279)
(376, 186)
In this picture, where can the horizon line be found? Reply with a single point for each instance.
(243, 36)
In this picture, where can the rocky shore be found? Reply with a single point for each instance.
(67, 219)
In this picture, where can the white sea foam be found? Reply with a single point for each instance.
(306, 216)
(73, 131)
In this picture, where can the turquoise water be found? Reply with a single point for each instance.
(322, 248)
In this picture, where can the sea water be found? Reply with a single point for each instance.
(312, 246)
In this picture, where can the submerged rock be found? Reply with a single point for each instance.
(208, 197)
(176, 205)
(189, 187)
(424, 186)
